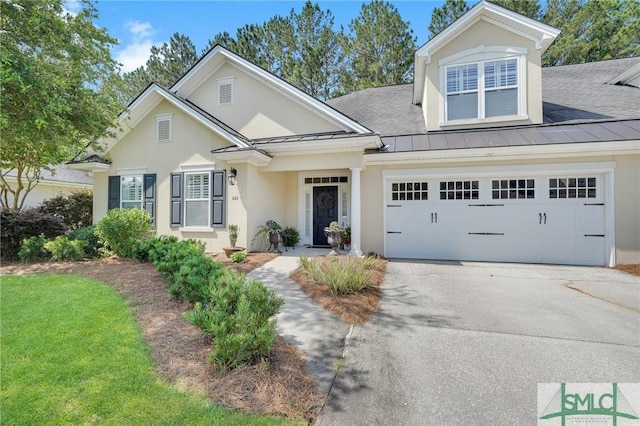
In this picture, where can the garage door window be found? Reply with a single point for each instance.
(584, 187)
(509, 189)
(409, 191)
(459, 190)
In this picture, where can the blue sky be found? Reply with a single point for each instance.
(142, 23)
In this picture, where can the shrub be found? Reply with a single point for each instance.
(122, 229)
(184, 264)
(239, 256)
(233, 234)
(32, 249)
(93, 246)
(64, 249)
(342, 275)
(15, 226)
(290, 236)
(238, 316)
(75, 209)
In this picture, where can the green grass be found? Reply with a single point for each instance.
(72, 353)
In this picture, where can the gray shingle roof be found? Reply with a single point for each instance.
(580, 92)
(385, 110)
(571, 93)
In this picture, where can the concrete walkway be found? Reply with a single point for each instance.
(318, 333)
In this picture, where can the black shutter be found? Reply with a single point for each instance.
(149, 196)
(114, 192)
(218, 186)
(176, 199)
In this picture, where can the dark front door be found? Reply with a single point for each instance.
(325, 211)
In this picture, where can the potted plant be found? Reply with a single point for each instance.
(346, 238)
(290, 237)
(270, 232)
(233, 238)
(334, 236)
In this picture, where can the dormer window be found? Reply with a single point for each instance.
(225, 90)
(483, 90)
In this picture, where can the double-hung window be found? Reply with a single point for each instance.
(197, 202)
(131, 192)
(482, 90)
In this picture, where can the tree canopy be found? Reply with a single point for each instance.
(591, 30)
(53, 66)
(380, 48)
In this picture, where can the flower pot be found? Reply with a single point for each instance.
(274, 240)
(228, 251)
(333, 239)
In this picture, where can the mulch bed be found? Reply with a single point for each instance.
(181, 351)
(253, 261)
(633, 269)
(350, 308)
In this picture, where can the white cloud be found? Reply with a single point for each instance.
(135, 53)
(72, 7)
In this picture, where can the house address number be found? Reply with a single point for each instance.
(235, 197)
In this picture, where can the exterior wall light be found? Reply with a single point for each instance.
(233, 176)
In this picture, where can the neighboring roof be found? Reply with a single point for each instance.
(386, 110)
(310, 137)
(629, 77)
(604, 131)
(62, 175)
(570, 94)
(581, 92)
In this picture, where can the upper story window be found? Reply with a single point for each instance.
(163, 127)
(483, 89)
(225, 90)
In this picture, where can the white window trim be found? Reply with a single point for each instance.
(480, 55)
(132, 175)
(226, 80)
(196, 228)
(164, 117)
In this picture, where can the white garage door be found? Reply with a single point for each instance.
(541, 219)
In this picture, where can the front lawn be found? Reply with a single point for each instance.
(72, 353)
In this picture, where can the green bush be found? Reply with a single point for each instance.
(75, 209)
(16, 226)
(32, 249)
(93, 247)
(64, 249)
(290, 236)
(183, 263)
(342, 275)
(121, 230)
(239, 256)
(238, 315)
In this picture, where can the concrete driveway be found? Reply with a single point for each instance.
(467, 344)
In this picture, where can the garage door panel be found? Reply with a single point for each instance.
(535, 222)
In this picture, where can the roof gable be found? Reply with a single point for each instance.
(140, 107)
(541, 34)
(218, 56)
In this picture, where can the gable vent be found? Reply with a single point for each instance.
(225, 91)
(164, 127)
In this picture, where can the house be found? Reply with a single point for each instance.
(61, 182)
(486, 156)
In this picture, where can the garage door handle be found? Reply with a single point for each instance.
(394, 232)
(539, 218)
(486, 233)
(436, 217)
(545, 218)
(594, 204)
(594, 235)
(431, 217)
